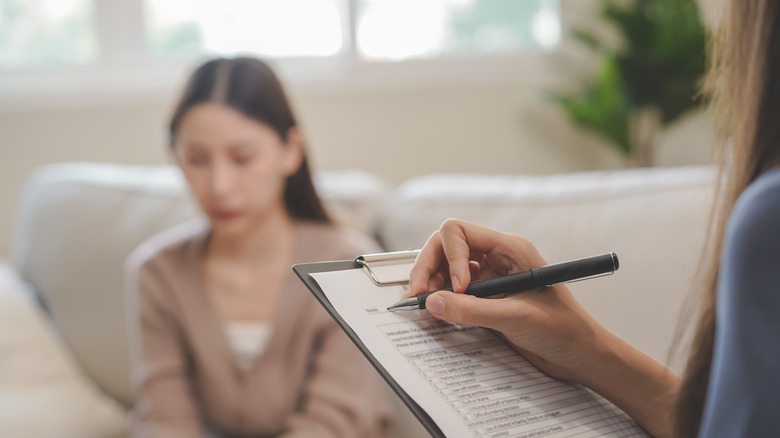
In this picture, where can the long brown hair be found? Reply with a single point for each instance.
(248, 85)
(745, 83)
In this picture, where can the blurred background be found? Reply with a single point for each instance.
(399, 88)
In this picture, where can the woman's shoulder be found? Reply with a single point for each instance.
(744, 368)
(750, 254)
(169, 247)
(332, 241)
(766, 186)
(757, 210)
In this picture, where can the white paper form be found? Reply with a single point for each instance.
(468, 380)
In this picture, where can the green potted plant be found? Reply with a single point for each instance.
(648, 81)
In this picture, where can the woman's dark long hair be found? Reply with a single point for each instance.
(745, 81)
(248, 85)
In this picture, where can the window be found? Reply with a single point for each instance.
(47, 46)
(41, 33)
(399, 29)
(271, 28)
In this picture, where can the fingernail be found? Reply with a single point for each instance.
(455, 283)
(435, 305)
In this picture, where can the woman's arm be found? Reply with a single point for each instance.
(548, 327)
(342, 397)
(165, 406)
(636, 383)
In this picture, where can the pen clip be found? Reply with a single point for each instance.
(577, 270)
(583, 278)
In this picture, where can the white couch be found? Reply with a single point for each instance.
(79, 221)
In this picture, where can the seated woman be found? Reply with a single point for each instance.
(228, 342)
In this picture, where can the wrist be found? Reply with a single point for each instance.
(606, 357)
(636, 383)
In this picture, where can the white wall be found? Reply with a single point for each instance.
(398, 132)
(398, 135)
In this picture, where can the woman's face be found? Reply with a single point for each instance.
(235, 165)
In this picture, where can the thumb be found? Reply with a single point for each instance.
(470, 310)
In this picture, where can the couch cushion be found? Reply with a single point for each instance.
(654, 219)
(78, 222)
(43, 393)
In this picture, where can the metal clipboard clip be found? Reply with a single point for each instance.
(388, 268)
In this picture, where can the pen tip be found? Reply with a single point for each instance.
(405, 304)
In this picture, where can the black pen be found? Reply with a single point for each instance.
(574, 270)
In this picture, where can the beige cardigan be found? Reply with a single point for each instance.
(310, 381)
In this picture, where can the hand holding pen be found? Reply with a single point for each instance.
(548, 326)
(534, 278)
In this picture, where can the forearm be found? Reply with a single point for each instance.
(634, 382)
(165, 402)
(166, 407)
(342, 396)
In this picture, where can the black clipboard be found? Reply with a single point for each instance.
(303, 271)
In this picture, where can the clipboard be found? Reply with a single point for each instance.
(564, 409)
(372, 264)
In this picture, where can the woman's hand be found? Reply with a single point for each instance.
(547, 326)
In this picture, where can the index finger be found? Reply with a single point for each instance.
(445, 254)
(457, 242)
(426, 265)
(449, 250)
